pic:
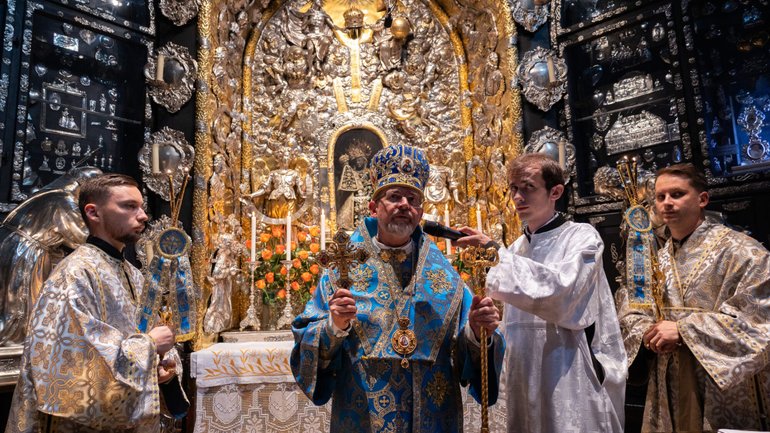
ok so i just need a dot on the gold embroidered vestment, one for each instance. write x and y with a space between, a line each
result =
85 368
717 290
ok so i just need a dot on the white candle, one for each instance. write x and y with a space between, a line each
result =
478 217
323 229
148 251
446 223
562 156
155 158
288 236
253 238
161 66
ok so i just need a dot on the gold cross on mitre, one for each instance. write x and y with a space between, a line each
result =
341 255
479 260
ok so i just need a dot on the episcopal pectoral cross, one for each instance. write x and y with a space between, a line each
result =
341 255
479 260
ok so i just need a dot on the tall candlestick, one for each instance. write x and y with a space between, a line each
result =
288 236
323 229
446 223
253 238
478 217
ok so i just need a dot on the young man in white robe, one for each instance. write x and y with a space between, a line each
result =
565 366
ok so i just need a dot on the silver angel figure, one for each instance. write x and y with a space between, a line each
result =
225 261
284 187
442 190
34 237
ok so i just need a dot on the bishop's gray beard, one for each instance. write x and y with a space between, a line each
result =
400 229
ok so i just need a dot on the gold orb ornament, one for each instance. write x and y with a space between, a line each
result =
400 27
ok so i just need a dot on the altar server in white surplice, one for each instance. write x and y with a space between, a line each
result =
565 367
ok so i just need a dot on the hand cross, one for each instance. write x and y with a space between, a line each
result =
341 255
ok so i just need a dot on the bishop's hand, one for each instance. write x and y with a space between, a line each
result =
483 314
342 307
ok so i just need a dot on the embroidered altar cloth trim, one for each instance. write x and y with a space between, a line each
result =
242 363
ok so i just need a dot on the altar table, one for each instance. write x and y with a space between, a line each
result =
249 388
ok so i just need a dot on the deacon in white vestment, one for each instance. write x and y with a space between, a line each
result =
85 367
707 347
565 366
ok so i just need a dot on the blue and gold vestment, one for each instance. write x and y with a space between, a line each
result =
371 391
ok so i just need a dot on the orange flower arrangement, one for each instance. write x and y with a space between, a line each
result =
277 232
270 274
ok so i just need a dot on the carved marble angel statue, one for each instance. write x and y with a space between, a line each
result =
225 261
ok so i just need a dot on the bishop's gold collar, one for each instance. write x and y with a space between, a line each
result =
393 254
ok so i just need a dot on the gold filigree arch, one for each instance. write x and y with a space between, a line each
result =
484 122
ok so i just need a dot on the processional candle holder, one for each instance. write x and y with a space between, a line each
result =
174 241
170 279
641 244
479 260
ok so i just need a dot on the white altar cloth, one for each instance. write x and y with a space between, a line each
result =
249 388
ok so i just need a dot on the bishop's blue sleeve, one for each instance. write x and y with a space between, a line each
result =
468 357
317 355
